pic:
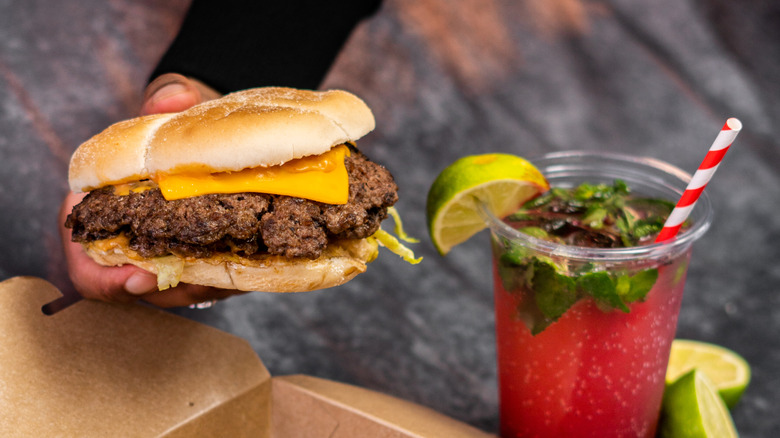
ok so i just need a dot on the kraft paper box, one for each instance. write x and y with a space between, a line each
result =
98 369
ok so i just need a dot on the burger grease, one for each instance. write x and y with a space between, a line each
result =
261 190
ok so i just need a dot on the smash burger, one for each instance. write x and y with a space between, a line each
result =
260 190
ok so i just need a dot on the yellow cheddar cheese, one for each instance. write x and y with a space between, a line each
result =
321 178
133 187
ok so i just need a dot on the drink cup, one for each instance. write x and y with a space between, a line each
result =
595 371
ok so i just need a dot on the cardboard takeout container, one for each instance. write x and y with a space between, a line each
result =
99 369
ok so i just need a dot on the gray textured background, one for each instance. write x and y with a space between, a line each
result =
445 79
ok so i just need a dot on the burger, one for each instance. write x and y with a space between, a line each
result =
260 190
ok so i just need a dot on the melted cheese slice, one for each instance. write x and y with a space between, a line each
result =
321 178
133 187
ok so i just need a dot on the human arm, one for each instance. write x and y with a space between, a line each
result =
232 44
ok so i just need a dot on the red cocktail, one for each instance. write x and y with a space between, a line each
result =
591 373
584 333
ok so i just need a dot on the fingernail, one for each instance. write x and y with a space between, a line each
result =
140 283
169 93
168 90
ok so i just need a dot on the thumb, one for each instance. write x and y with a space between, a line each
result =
117 283
172 92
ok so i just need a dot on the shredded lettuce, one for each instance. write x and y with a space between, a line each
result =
389 241
169 269
399 227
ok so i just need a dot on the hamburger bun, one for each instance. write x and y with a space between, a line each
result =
260 127
340 262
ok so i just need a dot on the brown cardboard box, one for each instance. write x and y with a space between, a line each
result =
308 407
98 369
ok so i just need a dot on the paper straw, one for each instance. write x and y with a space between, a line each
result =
700 179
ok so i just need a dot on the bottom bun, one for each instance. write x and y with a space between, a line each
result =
340 262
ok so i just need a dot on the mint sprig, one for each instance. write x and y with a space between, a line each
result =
598 209
546 293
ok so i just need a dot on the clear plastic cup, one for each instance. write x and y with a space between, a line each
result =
593 372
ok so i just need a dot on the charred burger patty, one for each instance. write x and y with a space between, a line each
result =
243 223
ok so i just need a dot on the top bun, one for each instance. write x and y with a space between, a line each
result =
250 128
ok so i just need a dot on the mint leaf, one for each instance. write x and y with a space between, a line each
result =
623 286
602 288
515 254
641 284
585 191
555 293
621 187
537 232
648 227
595 217
653 215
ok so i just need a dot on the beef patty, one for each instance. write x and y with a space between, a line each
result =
244 223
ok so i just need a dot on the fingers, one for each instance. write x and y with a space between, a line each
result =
173 92
91 280
187 294
126 283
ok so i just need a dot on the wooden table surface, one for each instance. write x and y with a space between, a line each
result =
445 79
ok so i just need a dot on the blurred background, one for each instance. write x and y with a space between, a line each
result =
444 79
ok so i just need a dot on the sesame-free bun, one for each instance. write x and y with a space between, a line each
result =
339 263
250 128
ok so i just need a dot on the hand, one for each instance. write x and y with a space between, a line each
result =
124 283
168 93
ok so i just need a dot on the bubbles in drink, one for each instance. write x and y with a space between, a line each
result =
589 355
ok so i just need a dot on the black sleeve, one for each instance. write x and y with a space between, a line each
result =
233 44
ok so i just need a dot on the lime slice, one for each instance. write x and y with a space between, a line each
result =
504 182
726 369
692 408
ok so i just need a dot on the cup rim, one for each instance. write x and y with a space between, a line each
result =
680 242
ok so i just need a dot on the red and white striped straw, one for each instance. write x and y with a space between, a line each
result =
700 179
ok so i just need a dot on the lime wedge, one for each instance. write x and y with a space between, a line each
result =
728 371
504 182
692 408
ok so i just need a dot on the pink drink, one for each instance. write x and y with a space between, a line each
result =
591 373
595 366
